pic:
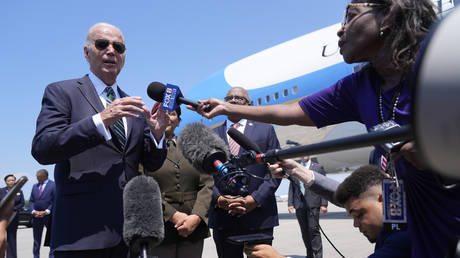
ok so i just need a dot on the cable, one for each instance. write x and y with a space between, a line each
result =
310 215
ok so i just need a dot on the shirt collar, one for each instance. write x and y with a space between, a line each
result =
100 85
242 123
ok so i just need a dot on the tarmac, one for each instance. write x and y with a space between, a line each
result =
287 238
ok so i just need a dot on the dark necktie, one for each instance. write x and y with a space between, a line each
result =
119 128
40 190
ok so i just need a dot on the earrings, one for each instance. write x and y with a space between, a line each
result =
381 32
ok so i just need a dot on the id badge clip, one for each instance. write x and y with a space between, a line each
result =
394 205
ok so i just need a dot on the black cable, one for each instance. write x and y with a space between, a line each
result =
310 214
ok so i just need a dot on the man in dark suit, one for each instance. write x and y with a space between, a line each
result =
97 136
41 204
257 212
307 205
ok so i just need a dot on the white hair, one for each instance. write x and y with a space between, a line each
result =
89 38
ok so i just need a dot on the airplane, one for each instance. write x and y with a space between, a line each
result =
286 73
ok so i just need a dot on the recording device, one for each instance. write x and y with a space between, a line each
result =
143 226
251 239
389 147
436 112
13 191
207 152
157 91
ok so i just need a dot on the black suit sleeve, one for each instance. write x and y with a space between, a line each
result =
56 138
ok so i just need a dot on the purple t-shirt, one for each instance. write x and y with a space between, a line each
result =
433 212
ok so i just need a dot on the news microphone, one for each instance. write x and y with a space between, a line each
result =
143 226
202 147
156 91
243 141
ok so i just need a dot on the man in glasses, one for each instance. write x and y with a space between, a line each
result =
257 211
96 135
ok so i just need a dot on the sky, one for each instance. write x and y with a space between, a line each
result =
178 42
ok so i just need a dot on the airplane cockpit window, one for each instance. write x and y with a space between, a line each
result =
276 96
267 98
295 89
285 92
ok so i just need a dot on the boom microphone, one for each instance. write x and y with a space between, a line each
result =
202 147
156 91
143 226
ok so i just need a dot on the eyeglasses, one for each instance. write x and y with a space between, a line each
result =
238 98
102 44
346 18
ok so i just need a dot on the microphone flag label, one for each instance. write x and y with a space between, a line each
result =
172 92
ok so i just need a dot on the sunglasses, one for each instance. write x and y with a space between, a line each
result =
348 18
102 44
238 98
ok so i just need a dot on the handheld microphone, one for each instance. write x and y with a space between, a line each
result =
156 91
143 226
203 148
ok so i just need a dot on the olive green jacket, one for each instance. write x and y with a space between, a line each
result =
183 189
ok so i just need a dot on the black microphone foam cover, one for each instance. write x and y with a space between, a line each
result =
143 213
201 146
156 91
243 141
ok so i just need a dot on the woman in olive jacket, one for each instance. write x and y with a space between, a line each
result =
186 196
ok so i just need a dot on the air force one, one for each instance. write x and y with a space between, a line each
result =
286 73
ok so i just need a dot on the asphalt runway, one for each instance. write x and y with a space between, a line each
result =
288 241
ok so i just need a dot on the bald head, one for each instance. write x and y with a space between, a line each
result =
238 95
101 26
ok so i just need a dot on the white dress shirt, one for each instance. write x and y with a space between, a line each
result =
100 89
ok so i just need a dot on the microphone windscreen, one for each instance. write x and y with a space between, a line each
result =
156 91
201 146
243 141
143 213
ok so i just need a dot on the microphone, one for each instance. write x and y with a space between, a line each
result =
143 226
203 148
243 141
156 91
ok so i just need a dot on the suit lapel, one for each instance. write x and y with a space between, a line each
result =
88 91
222 132
248 131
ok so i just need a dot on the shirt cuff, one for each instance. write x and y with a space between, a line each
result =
48 211
158 144
312 179
100 127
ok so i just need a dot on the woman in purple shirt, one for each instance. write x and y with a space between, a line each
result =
387 34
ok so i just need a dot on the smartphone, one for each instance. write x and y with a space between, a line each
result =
13 192
251 239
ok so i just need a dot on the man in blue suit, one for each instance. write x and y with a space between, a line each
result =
257 212
97 136
41 203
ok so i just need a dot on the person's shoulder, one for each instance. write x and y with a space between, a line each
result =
74 81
